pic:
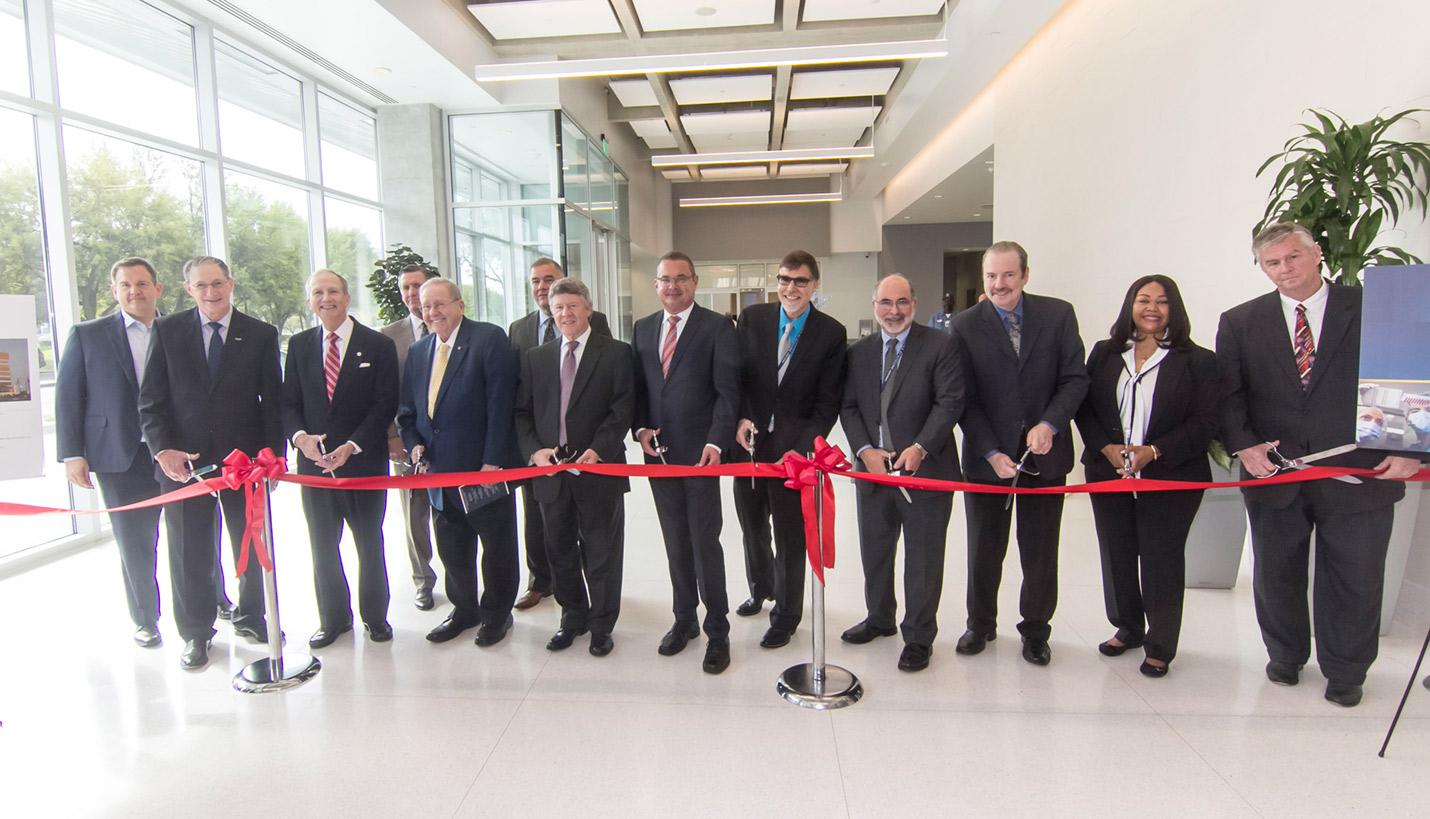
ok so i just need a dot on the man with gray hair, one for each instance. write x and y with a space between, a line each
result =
1289 364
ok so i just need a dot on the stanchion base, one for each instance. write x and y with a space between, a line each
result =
266 675
840 687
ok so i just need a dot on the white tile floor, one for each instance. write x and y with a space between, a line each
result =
94 726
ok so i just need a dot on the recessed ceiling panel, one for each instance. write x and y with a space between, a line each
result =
665 141
674 15
676 174
861 82
707 90
546 18
650 127
718 143
822 119
818 10
811 168
738 122
735 172
634 93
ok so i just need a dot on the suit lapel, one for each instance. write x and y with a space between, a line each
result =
590 359
1033 326
1169 375
682 343
1274 336
1334 327
352 359
233 344
998 332
119 337
454 360
896 379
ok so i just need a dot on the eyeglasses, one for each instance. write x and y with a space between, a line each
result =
435 306
666 281
801 282
885 304
217 286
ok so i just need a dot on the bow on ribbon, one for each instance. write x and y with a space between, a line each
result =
803 474
240 470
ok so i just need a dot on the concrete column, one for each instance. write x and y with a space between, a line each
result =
414 182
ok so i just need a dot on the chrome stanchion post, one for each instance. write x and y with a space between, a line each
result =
818 685
275 673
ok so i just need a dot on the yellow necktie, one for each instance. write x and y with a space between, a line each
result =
434 385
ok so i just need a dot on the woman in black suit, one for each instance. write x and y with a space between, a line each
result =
1150 412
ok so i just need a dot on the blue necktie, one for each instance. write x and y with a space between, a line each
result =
215 348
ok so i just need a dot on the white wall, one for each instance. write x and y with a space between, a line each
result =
847 280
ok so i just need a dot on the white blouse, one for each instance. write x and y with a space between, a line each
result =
1134 395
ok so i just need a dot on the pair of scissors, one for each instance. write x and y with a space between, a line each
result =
1021 468
1284 464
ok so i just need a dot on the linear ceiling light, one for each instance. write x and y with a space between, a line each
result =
779 199
744 157
713 60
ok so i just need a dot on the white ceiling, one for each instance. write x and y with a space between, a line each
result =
673 15
546 18
962 197
737 122
822 10
722 88
863 82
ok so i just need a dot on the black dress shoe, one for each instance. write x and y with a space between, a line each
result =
1109 650
973 642
380 633
866 632
324 637
1343 694
423 600
1037 652
717 656
775 638
448 629
256 632
915 657
225 610
601 645
1283 673
1153 671
148 637
562 640
195 656
489 635
675 640
751 607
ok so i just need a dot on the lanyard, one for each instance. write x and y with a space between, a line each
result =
898 357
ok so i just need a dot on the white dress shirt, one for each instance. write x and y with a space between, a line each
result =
1315 314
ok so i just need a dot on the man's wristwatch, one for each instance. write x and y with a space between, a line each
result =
920 447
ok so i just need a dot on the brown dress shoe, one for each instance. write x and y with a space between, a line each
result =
530 599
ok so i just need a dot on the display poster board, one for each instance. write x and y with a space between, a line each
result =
21 422
1394 407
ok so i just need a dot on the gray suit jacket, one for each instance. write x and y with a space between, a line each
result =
400 332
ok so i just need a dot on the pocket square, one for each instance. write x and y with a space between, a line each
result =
364 364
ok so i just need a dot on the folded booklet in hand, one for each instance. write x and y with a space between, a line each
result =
477 495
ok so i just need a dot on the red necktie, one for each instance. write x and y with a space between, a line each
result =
331 364
1305 347
667 350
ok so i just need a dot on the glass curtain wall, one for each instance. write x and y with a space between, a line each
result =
291 165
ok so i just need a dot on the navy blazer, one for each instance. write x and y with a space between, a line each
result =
473 421
1010 393
97 396
696 405
806 403
1262 399
364 399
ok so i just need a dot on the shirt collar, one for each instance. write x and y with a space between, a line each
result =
901 337
130 321
223 322
1317 299
452 339
798 322
344 331
580 340
417 324
684 314
1017 308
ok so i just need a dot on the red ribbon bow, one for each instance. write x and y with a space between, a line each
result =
803 474
240 470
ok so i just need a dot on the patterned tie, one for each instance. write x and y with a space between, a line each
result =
784 351
891 356
424 332
549 334
568 379
434 385
1305 347
331 364
1015 332
215 348
668 349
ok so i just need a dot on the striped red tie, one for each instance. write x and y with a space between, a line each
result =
1305 347
668 349
331 364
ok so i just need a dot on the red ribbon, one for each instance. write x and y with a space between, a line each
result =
803 474
240 470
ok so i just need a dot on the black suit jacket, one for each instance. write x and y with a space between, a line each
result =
97 396
1011 393
1183 420
182 408
697 404
523 331
364 400
927 400
598 413
806 403
1262 399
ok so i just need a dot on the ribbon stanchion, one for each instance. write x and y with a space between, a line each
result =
816 684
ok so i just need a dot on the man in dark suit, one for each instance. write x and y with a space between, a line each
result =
339 395
455 414
902 396
576 403
97 428
211 385
791 385
687 397
416 511
1026 377
1289 364
533 329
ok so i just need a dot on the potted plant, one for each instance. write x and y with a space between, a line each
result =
1218 534
383 281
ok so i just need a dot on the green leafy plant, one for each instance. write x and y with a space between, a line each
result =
1344 183
1217 450
383 281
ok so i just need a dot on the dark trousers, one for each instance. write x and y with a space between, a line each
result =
585 534
538 559
883 512
327 510
136 533
1143 541
457 534
786 566
417 518
1350 580
690 521
752 508
190 526
1040 519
